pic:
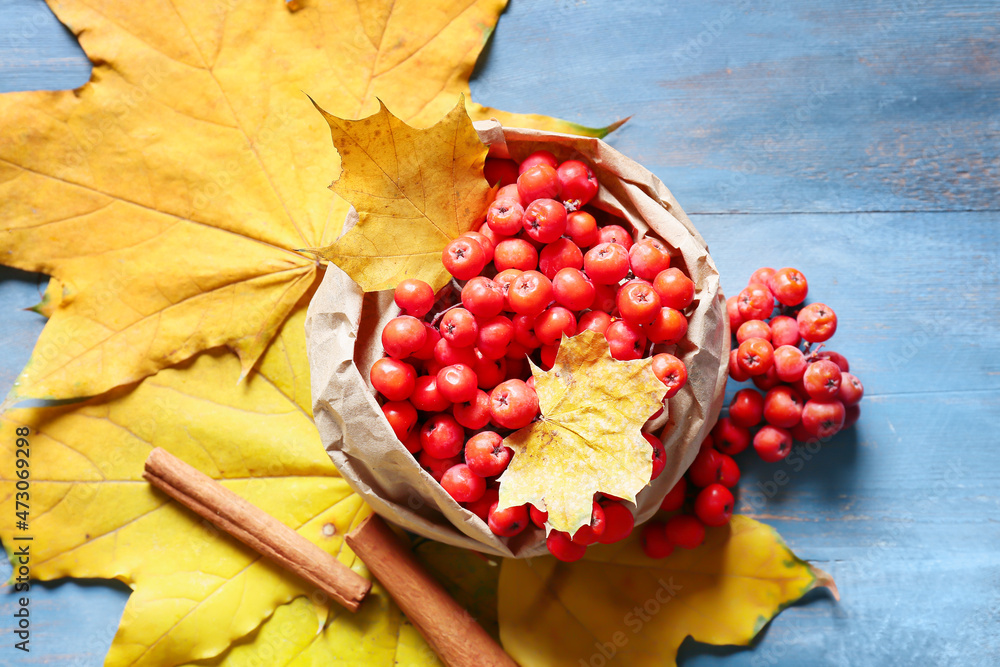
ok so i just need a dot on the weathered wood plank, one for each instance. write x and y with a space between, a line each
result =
917 295
19 328
72 622
794 106
36 51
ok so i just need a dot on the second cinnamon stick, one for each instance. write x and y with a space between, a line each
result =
450 630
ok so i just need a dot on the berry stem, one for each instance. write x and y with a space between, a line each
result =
436 321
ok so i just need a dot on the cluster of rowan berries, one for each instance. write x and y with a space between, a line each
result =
456 377
802 393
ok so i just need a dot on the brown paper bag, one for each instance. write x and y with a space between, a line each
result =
343 328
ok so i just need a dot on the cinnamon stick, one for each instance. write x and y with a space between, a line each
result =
255 528
453 634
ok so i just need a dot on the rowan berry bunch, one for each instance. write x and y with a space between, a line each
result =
809 392
802 393
456 378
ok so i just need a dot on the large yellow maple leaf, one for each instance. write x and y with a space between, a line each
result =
618 604
92 515
168 194
588 438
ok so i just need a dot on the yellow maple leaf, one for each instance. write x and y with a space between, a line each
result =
589 437
168 194
378 634
414 191
617 603
92 514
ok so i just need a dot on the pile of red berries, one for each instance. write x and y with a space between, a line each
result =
808 394
456 381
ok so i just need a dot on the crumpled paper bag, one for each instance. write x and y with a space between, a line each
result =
343 328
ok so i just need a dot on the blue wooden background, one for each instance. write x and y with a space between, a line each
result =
856 140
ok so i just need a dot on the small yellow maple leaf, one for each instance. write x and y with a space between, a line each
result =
555 614
589 436
414 191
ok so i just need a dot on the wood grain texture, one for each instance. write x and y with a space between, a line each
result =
764 106
36 51
784 129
